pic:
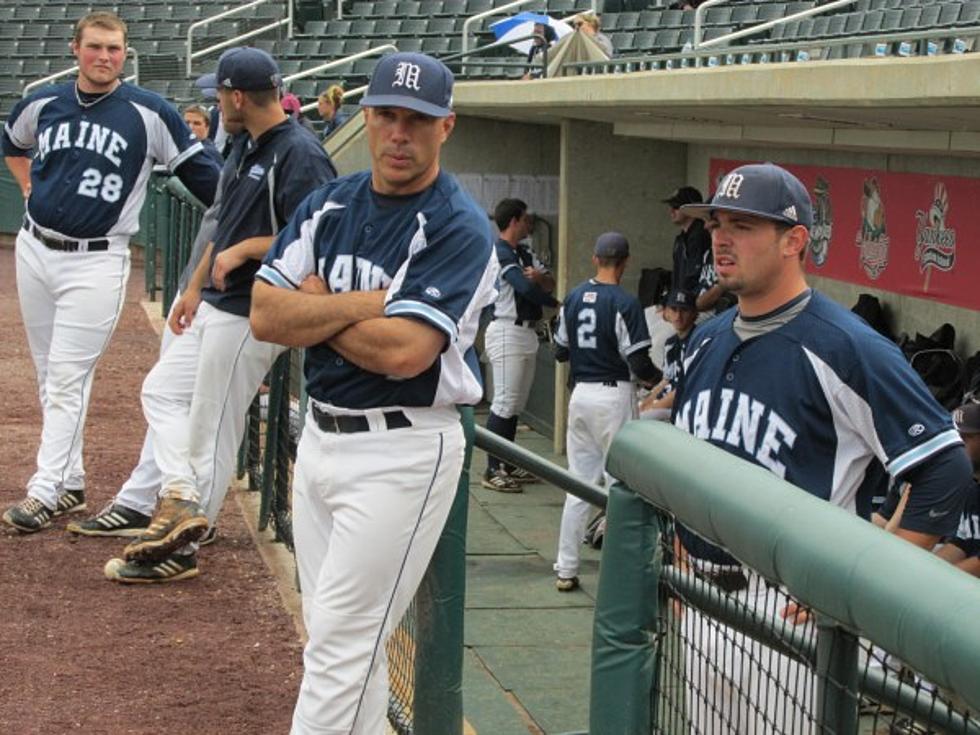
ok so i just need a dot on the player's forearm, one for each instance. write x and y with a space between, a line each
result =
200 274
709 298
298 319
970 566
395 346
253 248
20 167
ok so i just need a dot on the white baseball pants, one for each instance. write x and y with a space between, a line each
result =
220 365
595 413
142 487
737 686
513 352
70 304
368 509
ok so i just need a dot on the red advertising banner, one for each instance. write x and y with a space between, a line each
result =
914 234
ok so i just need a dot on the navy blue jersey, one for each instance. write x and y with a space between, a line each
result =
814 400
91 163
519 299
968 534
601 325
268 179
688 256
673 366
432 251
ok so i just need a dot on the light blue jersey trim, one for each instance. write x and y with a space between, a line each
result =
271 275
184 155
426 312
922 452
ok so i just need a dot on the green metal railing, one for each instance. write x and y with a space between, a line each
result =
868 590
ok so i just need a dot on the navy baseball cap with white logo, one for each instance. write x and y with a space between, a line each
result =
762 190
967 418
248 69
681 299
612 245
413 81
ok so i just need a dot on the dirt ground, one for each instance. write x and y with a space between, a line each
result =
215 654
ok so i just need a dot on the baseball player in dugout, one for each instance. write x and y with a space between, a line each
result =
82 152
793 382
382 276
511 339
603 334
690 244
195 398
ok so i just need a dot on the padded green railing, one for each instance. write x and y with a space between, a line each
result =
863 581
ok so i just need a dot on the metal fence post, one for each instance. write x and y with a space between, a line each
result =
837 678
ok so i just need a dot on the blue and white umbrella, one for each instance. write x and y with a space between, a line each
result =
522 24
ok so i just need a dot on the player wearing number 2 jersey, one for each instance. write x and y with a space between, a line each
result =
94 142
602 332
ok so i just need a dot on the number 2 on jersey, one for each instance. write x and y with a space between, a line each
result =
95 186
586 329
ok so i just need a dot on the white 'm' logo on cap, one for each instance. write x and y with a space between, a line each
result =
730 185
407 75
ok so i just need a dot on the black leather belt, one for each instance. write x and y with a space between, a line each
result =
604 383
526 322
354 424
66 246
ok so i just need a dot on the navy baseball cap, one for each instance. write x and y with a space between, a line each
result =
248 69
762 190
967 418
413 81
681 299
684 195
611 245
208 84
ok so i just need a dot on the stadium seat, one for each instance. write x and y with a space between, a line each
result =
408 8
441 26
430 8
624 42
671 18
356 45
362 27
332 48
718 16
317 27
910 18
668 40
891 20
413 45
413 28
835 25
384 8
819 27
644 41
649 19
771 11
435 45
745 14
970 14
929 17
453 8
339 28
303 88
628 21
872 21
949 14
362 9
478 6
387 27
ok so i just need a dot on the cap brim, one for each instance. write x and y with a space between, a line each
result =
206 81
409 103
703 211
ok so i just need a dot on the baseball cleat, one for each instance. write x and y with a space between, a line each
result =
172 568
501 483
113 520
176 523
519 474
566 584
73 501
29 515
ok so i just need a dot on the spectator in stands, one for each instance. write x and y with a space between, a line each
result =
328 105
588 23
198 119
691 243
292 106
544 37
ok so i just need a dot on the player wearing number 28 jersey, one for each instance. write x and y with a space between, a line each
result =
82 153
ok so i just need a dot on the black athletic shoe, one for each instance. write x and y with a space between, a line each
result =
113 520
172 568
73 501
566 584
176 523
519 474
29 515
